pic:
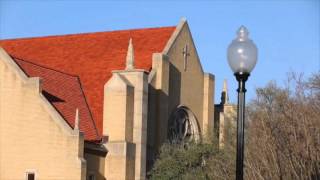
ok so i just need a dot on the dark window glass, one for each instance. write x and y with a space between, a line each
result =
30 176
92 177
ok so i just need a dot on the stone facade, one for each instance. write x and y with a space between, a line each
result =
170 85
33 136
225 118
137 109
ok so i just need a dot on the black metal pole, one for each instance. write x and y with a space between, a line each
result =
241 78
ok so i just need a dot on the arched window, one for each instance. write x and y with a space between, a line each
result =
183 126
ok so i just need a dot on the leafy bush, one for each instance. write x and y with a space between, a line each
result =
192 161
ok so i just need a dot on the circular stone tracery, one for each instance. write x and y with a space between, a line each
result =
183 126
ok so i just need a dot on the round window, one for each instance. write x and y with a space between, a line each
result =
183 126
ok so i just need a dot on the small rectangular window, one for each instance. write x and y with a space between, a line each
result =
31 176
92 177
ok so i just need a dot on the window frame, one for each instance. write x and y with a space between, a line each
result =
92 174
30 171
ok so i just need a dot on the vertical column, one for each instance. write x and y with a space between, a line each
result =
221 128
118 126
160 63
240 125
139 79
208 105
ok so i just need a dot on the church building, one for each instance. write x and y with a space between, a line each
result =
98 106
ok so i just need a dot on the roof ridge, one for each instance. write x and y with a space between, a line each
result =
27 61
87 33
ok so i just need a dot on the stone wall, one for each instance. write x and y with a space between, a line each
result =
33 136
175 82
125 124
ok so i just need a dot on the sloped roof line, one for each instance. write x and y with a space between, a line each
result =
98 54
42 66
91 119
90 112
86 33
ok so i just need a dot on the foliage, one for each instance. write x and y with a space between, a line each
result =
282 139
192 161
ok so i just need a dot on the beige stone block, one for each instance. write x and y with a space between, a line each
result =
118 109
33 136
126 94
139 80
120 161
208 105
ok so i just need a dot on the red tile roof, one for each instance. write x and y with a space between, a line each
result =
90 56
64 92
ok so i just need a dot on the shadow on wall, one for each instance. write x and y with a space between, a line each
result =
174 88
95 162
158 100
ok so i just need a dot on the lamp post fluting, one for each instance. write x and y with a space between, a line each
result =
242 57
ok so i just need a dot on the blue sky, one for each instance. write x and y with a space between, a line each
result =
285 31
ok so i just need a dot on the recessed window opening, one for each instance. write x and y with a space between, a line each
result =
92 177
30 176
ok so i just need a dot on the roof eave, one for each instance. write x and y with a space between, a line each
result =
175 34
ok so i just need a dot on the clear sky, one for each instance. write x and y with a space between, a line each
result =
285 31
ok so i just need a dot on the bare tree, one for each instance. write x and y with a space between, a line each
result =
282 139
283 133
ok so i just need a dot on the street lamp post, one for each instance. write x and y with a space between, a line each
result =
242 57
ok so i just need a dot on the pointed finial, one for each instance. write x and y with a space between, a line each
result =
225 85
243 33
77 120
224 94
130 56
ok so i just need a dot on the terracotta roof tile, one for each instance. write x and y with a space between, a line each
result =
91 56
64 92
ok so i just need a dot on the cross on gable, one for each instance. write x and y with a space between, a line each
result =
185 53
